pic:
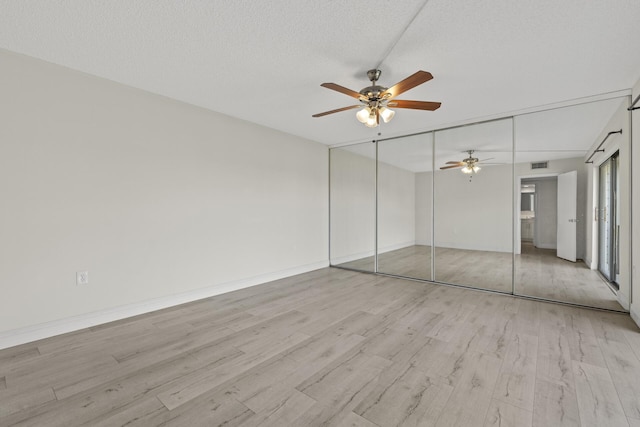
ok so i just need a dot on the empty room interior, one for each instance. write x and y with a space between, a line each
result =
296 213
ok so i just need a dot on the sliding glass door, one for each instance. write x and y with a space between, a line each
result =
608 219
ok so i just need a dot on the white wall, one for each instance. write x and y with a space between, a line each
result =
353 204
635 209
157 199
474 215
396 208
424 206
620 120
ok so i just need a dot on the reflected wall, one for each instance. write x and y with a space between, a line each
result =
352 206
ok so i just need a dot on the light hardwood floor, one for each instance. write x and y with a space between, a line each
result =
335 348
538 273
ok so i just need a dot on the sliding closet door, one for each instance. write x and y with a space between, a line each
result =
473 205
353 206
404 206
553 143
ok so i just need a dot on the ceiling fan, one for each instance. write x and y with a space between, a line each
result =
376 99
468 165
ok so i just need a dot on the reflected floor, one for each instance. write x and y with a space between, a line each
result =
539 273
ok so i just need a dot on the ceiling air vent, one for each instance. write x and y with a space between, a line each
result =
540 165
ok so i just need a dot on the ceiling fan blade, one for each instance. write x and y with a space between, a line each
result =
415 105
484 160
410 82
455 163
342 89
450 167
351 107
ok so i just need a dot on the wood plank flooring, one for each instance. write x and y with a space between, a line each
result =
538 273
334 348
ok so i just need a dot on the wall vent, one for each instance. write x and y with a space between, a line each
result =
540 165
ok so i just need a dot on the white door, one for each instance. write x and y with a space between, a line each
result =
567 208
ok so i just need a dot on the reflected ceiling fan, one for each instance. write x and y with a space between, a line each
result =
375 100
468 165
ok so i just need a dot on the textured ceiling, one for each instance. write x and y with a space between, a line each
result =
264 61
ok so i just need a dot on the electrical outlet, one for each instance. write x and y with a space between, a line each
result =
82 278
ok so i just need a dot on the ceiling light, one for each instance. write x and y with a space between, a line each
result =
470 168
363 114
372 120
386 114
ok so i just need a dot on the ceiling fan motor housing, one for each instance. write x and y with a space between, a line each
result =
374 75
372 93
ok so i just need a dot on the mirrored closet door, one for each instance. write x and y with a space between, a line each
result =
405 170
536 205
564 185
352 206
473 205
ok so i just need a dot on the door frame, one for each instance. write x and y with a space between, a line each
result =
517 241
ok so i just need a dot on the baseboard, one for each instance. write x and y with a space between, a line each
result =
49 329
546 246
365 254
352 257
590 265
635 313
623 299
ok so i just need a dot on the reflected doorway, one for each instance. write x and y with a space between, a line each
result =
539 213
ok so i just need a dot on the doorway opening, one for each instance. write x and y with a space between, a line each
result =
538 214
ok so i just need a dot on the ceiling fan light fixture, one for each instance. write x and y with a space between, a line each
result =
372 120
470 169
363 115
386 114
376 97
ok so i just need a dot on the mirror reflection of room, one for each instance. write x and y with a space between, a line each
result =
473 202
404 206
535 205
566 247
